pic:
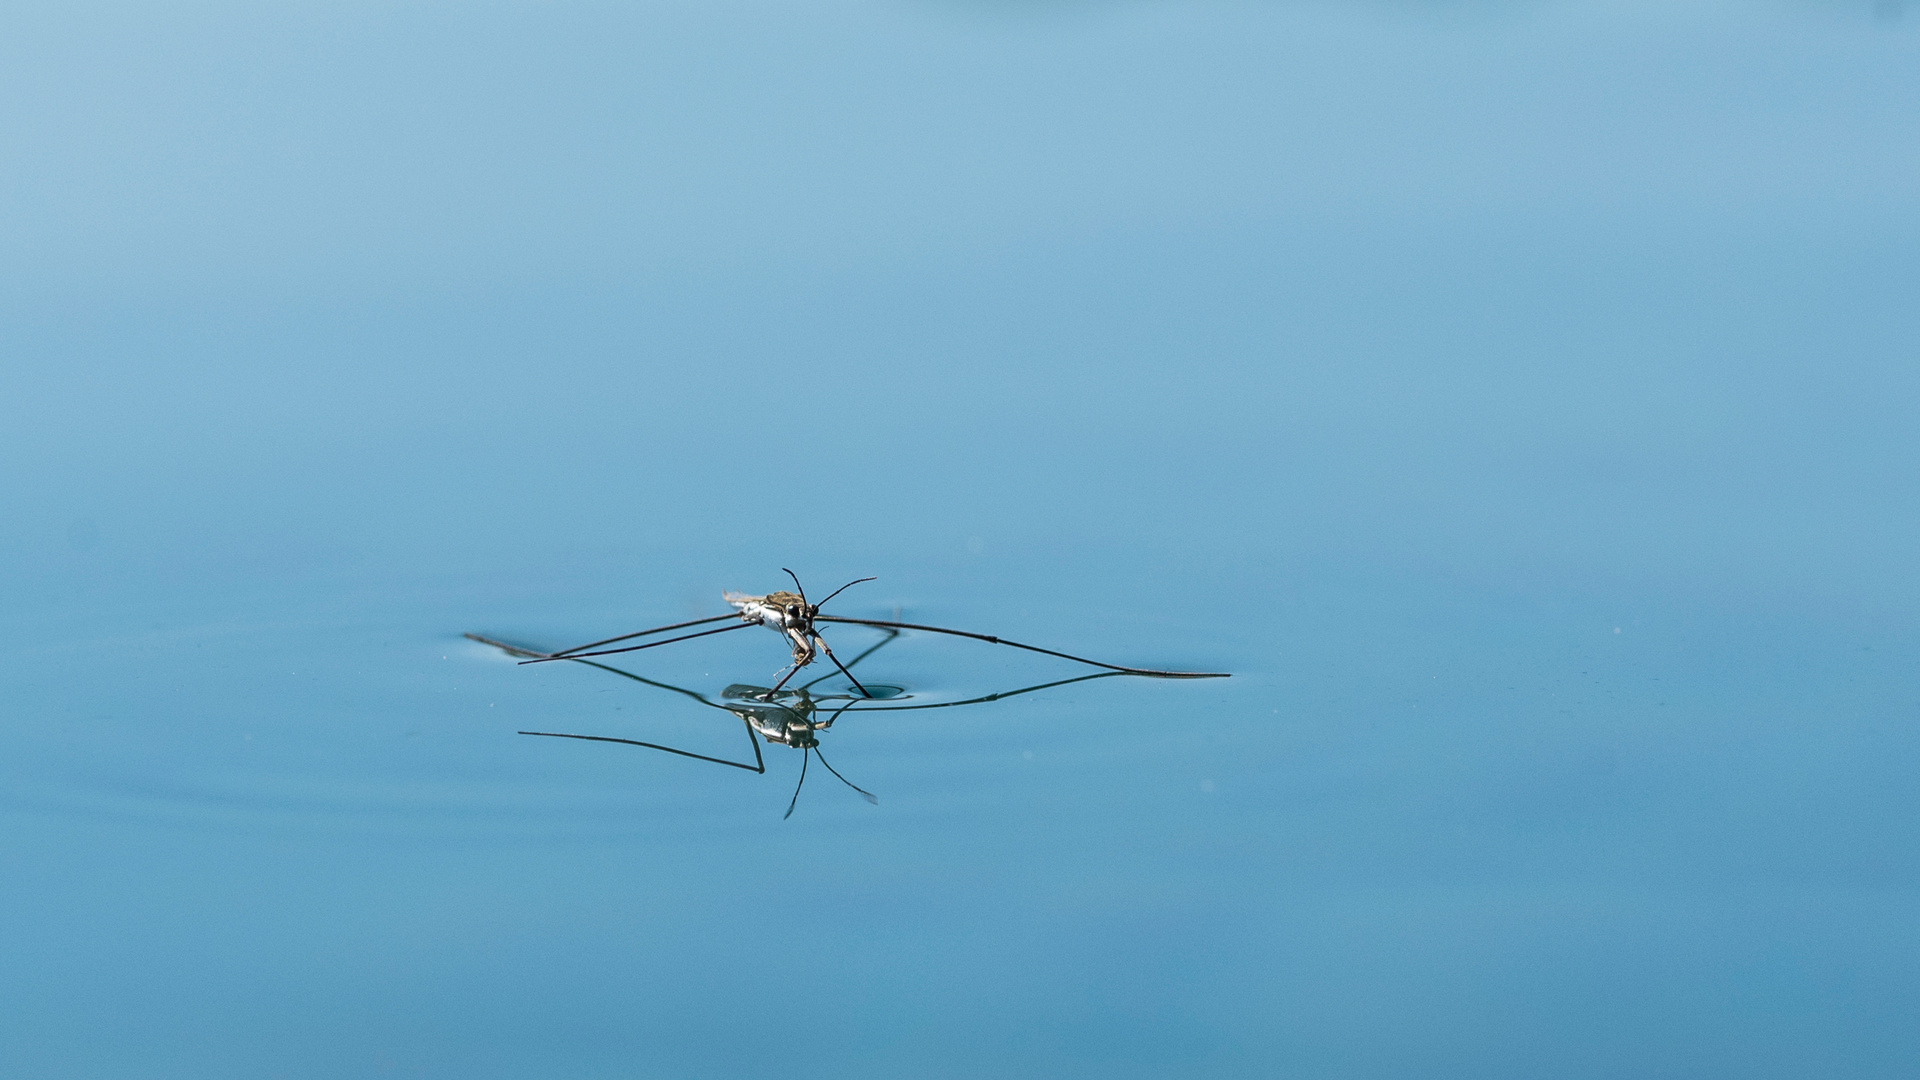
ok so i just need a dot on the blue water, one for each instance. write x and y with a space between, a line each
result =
1518 399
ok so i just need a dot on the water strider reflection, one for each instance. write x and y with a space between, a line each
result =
792 717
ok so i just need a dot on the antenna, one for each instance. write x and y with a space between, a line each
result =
844 588
797 585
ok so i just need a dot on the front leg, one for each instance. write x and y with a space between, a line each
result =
822 642
791 672
802 648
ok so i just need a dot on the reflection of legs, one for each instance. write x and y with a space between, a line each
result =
822 725
828 649
870 796
791 803
759 764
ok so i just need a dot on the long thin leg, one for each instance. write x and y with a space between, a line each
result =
759 764
855 662
681 690
802 647
791 672
979 700
990 639
510 650
871 797
521 651
637 648
836 663
828 722
795 801
644 633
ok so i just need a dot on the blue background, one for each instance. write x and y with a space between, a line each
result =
1519 398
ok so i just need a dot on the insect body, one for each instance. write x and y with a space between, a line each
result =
783 611
791 615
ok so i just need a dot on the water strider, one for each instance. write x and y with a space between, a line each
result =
794 618
791 717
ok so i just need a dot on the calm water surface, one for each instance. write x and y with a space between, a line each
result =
1517 399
